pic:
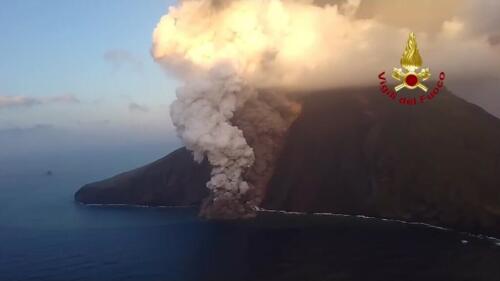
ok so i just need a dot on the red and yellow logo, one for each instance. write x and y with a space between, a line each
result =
411 75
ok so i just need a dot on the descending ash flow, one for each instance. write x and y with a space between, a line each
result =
265 120
241 132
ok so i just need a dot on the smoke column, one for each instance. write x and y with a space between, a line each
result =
231 54
227 52
202 114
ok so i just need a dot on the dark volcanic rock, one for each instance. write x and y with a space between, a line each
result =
174 180
357 152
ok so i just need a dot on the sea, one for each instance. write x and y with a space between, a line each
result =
45 235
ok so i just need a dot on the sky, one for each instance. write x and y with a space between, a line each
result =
83 67
81 72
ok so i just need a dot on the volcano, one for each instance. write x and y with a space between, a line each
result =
354 151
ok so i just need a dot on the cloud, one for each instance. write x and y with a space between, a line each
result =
17 101
63 99
22 131
295 44
135 107
119 59
24 101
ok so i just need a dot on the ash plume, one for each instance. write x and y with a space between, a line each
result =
230 53
202 114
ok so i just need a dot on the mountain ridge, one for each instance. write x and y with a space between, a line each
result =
354 151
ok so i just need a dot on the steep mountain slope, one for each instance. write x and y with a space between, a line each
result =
355 151
359 153
174 180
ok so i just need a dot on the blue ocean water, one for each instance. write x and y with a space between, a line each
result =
45 235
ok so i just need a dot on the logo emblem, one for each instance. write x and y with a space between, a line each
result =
410 62
410 75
